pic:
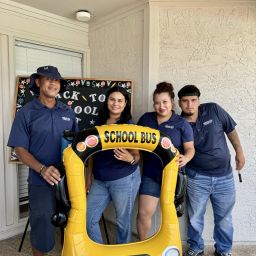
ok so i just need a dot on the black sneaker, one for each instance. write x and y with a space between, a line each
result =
191 252
222 253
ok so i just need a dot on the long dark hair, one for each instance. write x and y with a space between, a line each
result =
125 115
164 87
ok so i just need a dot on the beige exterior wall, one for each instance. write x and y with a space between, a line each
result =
116 45
214 47
29 25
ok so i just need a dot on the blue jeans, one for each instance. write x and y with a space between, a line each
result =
122 192
221 192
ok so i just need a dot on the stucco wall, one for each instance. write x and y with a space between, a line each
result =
215 49
116 52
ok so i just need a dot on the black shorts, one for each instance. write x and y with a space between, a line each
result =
42 205
149 187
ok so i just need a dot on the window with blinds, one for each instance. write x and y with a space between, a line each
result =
28 58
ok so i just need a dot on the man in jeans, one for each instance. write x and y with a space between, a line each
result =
209 172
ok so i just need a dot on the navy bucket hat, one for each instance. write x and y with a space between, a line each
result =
47 71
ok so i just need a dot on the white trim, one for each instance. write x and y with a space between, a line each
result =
86 71
36 26
10 179
2 166
42 39
14 230
24 44
18 9
52 44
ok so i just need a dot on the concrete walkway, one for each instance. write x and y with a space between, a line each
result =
10 247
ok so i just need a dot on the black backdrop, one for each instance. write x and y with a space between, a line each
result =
84 95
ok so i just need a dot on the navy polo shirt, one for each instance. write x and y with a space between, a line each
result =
177 128
39 130
106 167
212 156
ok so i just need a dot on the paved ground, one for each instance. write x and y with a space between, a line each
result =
11 245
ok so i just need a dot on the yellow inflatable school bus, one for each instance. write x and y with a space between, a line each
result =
166 242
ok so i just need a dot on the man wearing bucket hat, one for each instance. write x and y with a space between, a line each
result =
36 136
51 73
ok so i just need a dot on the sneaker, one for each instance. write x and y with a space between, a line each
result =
222 253
191 252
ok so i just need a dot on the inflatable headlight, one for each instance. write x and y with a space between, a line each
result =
171 251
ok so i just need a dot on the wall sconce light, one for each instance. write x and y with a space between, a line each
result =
83 15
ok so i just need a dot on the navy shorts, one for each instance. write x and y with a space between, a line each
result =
42 204
149 187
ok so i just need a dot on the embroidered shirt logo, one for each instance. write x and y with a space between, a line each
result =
169 126
207 122
65 118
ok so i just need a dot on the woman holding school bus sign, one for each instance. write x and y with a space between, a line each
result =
116 173
181 134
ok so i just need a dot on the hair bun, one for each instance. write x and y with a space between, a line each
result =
164 86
